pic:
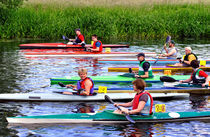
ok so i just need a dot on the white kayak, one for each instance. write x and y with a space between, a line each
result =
55 96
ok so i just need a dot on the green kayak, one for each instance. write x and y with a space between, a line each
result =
109 117
114 79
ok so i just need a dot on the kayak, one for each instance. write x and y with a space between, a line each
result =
85 54
115 93
108 116
59 97
158 68
114 79
65 46
135 61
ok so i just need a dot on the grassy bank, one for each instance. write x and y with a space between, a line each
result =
145 21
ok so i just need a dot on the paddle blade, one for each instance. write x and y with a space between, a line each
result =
130 119
61 84
168 38
108 99
167 79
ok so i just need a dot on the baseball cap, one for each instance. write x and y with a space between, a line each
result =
172 42
140 54
78 29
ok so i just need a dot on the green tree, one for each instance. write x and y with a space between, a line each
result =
7 7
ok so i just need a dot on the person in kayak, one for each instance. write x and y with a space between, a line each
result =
171 52
97 45
84 83
187 58
145 70
78 40
198 76
142 102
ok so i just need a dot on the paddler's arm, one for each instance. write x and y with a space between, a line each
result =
146 75
129 104
88 85
73 86
207 81
97 49
165 48
186 81
139 109
169 54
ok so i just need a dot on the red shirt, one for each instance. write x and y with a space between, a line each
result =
81 37
201 74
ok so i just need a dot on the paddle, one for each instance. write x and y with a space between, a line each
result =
82 44
108 99
168 38
78 91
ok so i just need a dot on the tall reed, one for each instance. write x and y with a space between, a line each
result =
41 21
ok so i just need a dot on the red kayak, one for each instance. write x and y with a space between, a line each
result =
64 46
84 54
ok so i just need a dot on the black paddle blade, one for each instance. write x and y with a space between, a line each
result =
167 79
130 70
108 99
61 84
168 39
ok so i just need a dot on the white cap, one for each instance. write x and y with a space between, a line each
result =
188 48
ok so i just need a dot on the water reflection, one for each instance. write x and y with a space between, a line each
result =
198 101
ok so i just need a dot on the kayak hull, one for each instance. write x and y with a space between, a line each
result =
109 117
58 97
114 79
152 61
157 69
84 54
65 46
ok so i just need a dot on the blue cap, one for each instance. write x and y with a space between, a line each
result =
140 54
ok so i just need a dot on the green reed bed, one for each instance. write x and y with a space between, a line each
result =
41 21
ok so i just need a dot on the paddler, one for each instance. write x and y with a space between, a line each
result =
78 40
85 83
142 102
97 44
171 52
198 76
187 58
145 70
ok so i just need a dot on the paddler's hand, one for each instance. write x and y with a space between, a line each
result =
181 81
204 85
136 76
116 104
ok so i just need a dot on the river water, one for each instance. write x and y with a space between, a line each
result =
21 74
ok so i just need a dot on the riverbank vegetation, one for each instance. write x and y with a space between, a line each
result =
52 19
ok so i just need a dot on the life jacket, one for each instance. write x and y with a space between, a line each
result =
141 70
196 78
81 84
100 48
149 103
78 40
186 57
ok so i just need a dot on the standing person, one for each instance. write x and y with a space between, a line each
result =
171 52
79 38
145 70
187 58
142 102
97 44
85 83
198 76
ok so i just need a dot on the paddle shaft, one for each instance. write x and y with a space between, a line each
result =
167 40
107 98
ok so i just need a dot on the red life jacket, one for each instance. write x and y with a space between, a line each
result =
136 100
100 48
81 84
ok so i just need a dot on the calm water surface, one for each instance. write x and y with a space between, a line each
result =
20 74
